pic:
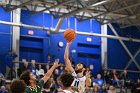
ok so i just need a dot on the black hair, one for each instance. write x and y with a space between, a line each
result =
18 86
84 66
26 77
66 79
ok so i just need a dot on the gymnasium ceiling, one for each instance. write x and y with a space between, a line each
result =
124 12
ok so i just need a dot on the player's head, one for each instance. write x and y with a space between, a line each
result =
80 67
65 80
28 77
18 86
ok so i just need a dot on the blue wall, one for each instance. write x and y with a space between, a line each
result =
47 20
37 46
80 39
117 56
5 38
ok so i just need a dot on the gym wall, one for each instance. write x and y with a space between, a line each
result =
117 56
5 38
40 44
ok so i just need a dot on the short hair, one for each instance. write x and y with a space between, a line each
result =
25 76
18 86
84 66
66 79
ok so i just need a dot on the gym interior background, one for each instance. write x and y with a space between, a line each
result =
108 32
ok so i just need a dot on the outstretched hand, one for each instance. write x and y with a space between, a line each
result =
56 63
88 74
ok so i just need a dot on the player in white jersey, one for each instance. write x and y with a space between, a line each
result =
65 81
80 81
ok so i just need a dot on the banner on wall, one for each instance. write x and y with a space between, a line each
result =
89 39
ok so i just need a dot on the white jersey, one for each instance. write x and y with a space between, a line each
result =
79 82
66 91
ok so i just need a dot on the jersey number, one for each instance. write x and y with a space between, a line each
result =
76 83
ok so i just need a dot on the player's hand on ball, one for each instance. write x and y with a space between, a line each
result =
69 43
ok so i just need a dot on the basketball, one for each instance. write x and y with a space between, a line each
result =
69 35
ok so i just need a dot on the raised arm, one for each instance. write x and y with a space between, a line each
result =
49 73
88 80
66 58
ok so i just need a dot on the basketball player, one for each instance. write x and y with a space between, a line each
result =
17 86
30 79
65 81
80 81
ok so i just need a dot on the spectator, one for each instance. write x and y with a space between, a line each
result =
40 71
49 59
115 78
111 89
108 77
47 68
125 80
3 90
9 65
99 82
96 89
61 69
25 67
2 79
137 86
124 75
104 90
33 68
55 76
8 88
92 81
18 86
